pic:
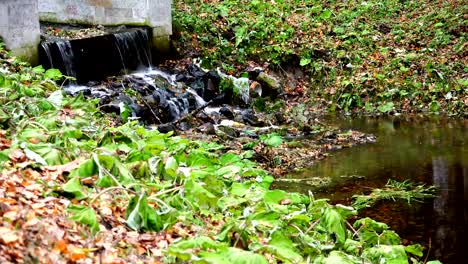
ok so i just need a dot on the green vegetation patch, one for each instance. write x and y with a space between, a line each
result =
157 196
367 56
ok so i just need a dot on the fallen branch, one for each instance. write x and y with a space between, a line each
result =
196 111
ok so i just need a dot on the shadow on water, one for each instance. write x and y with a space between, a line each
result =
423 150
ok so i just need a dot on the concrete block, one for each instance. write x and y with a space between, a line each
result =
19 27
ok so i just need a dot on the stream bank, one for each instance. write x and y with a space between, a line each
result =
427 150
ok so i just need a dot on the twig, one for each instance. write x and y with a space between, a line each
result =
312 226
196 111
109 190
96 159
169 190
352 228
298 229
151 109
428 251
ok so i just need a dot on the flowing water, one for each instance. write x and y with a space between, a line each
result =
98 57
422 150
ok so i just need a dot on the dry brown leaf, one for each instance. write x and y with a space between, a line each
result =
8 236
61 246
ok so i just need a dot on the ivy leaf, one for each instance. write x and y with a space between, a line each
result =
84 215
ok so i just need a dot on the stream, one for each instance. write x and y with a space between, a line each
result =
425 150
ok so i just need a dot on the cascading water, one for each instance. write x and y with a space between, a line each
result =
153 95
98 57
63 58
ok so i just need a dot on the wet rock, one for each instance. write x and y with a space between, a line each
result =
166 128
76 90
138 110
195 71
226 132
270 84
212 81
254 72
198 85
184 126
225 111
249 117
255 89
161 82
182 78
280 119
207 128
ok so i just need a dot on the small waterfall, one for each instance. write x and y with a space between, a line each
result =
66 53
133 48
93 59
46 48
198 99
59 54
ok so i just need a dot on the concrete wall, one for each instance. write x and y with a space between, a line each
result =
19 19
19 27
153 13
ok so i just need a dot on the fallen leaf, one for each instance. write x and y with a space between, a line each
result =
8 236
61 246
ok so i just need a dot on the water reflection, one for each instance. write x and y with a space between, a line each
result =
428 150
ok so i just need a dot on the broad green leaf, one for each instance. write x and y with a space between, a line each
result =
284 249
274 197
334 223
239 189
272 140
53 74
326 14
385 108
74 187
352 247
339 257
84 215
185 248
86 169
141 216
370 224
35 157
233 256
386 254
199 195
305 61
415 249
56 98
229 158
171 167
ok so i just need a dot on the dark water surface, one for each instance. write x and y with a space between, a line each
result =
420 149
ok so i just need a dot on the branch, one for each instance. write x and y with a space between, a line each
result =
109 190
